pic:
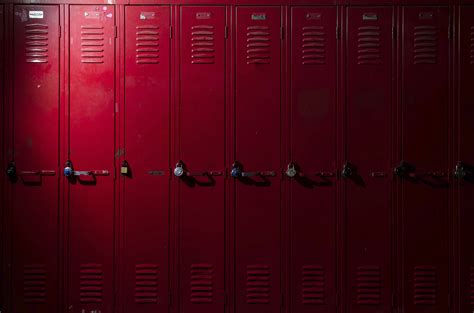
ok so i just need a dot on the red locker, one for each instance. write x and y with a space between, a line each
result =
34 201
2 149
424 151
257 151
145 165
368 151
464 170
313 167
200 159
90 170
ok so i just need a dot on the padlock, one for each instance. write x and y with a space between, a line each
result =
68 169
125 168
291 171
179 171
236 171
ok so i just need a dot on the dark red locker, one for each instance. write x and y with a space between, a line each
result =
145 166
464 170
200 157
34 204
258 160
91 152
2 152
368 151
313 166
424 151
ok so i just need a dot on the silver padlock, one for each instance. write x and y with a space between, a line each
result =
178 170
291 171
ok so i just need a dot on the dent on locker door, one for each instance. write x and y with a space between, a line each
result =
257 166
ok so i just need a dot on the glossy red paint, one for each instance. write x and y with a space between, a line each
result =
425 143
313 207
258 222
368 149
145 160
35 201
200 207
465 155
91 148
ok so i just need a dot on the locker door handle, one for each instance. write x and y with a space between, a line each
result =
205 173
180 170
380 174
325 174
261 173
91 173
37 173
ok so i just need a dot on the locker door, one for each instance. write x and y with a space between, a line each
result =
424 181
201 198
257 145
465 155
33 169
368 142
147 150
2 153
313 189
91 154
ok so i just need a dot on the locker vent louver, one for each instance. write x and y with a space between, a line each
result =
425 45
425 285
471 51
369 45
314 45
147 45
91 276
471 293
146 283
202 283
369 285
34 284
36 44
92 44
314 283
258 45
258 284
202 44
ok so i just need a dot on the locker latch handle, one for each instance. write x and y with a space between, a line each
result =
237 172
37 173
180 170
69 171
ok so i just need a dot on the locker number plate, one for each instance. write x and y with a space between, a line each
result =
35 14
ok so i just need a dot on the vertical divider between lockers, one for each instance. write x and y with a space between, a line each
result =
341 137
283 149
227 154
451 145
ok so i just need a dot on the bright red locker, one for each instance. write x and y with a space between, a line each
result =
145 162
91 153
257 153
424 151
34 202
368 151
200 157
465 156
313 167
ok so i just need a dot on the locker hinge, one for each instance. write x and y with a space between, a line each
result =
282 33
115 32
394 32
338 32
450 32
171 31
226 32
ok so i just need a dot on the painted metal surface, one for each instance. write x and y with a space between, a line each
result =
424 178
145 159
368 147
464 171
91 151
35 146
257 145
200 147
313 188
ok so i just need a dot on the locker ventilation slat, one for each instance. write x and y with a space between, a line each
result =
34 283
313 284
471 46
369 285
36 44
369 45
313 45
425 285
471 290
202 44
91 276
258 45
92 44
425 45
146 283
258 284
202 283
147 45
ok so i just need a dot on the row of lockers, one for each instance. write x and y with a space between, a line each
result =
248 159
